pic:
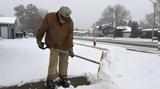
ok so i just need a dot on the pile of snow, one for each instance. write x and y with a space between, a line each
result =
105 77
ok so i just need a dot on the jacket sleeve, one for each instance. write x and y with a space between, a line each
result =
70 37
42 29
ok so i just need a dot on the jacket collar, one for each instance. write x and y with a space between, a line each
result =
58 19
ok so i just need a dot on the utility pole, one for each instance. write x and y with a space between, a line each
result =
154 17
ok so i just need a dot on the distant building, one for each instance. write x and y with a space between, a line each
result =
104 30
80 33
147 33
123 31
107 30
7 27
127 32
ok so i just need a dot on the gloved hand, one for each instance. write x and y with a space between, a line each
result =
40 44
71 53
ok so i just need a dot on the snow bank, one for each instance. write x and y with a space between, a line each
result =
105 76
108 65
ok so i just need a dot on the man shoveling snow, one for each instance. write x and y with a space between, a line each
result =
58 27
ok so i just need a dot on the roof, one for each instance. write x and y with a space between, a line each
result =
7 20
80 31
120 27
146 30
105 25
126 28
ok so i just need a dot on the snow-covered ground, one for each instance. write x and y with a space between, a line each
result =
21 60
132 70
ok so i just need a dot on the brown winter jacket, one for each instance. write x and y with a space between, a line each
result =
57 35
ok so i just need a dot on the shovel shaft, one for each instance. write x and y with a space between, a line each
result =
78 56
87 59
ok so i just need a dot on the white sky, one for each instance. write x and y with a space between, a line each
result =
85 12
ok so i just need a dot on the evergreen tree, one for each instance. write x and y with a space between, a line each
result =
135 31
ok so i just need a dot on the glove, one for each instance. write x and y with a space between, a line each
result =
71 53
40 45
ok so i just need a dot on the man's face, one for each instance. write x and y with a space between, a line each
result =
64 18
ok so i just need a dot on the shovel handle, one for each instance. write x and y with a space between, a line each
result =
87 59
78 56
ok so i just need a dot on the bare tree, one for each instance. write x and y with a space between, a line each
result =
149 18
29 17
143 24
42 12
149 21
108 15
19 13
115 15
158 13
19 10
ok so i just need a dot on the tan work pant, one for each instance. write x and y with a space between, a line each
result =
63 65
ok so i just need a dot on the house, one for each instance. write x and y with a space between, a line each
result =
80 32
97 31
108 30
7 27
123 31
127 32
104 30
147 33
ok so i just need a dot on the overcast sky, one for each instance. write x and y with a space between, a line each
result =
84 12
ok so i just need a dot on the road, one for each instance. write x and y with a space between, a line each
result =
147 47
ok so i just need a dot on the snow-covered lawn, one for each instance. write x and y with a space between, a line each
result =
21 60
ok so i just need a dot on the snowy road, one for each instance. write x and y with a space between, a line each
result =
129 47
22 60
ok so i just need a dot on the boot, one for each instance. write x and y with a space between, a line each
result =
51 84
65 83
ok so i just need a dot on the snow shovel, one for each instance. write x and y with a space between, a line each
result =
96 62
87 59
